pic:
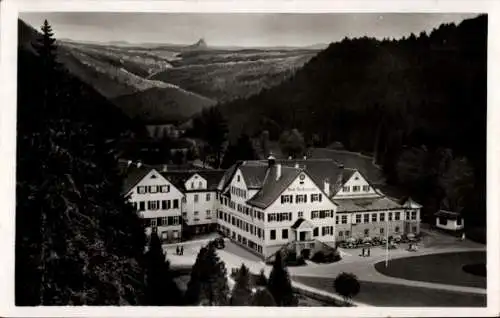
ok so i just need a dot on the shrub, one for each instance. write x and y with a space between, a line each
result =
321 257
346 285
305 253
318 257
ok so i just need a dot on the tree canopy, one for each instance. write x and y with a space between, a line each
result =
279 284
78 241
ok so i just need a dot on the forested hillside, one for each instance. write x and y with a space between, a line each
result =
418 102
77 241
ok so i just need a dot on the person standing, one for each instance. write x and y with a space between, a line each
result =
182 250
177 251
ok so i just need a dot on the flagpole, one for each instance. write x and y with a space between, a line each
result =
386 242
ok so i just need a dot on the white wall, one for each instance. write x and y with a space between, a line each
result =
190 207
356 180
196 182
173 194
298 186
450 225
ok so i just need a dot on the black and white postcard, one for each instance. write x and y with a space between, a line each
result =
178 158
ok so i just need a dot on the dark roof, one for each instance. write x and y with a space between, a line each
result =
321 169
366 204
272 188
227 176
362 163
132 176
448 214
179 178
297 223
253 173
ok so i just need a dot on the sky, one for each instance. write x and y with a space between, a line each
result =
236 29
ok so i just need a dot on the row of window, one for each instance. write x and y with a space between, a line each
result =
208 215
301 198
163 221
241 239
253 213
366 188
378 217
238 192
197 197
322 214
242 225
325 230
279 217
200 185
153 189
156 205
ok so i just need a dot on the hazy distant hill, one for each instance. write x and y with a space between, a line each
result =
192 76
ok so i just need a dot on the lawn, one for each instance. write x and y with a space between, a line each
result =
437 268
392 295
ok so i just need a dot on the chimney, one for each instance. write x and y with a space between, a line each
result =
164 168
305 157
326 187
138 164
278 171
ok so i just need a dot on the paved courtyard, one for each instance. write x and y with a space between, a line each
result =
314 276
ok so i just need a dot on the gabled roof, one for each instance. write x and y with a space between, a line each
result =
272 188
366 204
410 203
253 173
132 177
301 222
321 169
179 178
448 214
364 164
227 176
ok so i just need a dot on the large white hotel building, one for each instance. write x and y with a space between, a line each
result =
264 205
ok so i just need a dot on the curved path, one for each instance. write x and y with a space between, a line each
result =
365 270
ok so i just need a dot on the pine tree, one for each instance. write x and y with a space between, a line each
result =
242 291
261 279
78 242
279 284
161 289
208 284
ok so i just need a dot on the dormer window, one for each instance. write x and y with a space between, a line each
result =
366 188
192 185
238 178
200 184
346 189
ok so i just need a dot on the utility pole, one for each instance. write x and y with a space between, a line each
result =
386 242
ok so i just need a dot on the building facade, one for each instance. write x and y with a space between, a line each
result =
158 201
264 205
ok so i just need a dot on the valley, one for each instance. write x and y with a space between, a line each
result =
170 83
